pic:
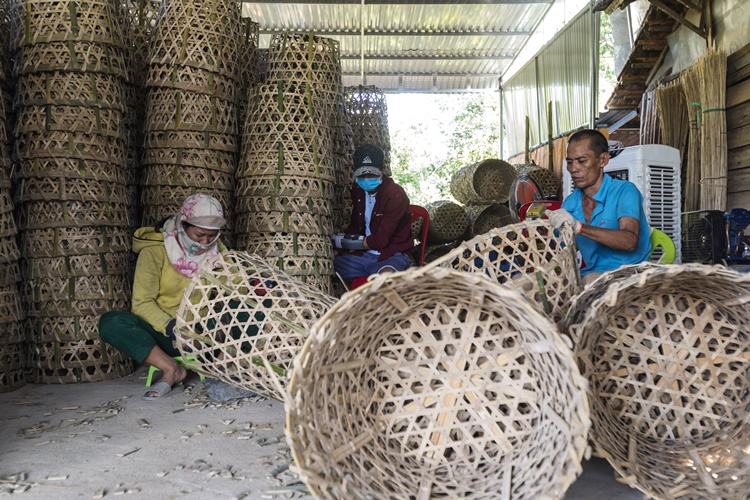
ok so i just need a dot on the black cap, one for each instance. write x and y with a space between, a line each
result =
368 159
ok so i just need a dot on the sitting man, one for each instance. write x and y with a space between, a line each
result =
380 229
607 214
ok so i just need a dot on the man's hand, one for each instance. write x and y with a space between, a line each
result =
348 241
561 216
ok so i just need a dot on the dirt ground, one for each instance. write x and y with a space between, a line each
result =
101 440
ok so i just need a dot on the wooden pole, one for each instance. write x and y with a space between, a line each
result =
526 154
550 162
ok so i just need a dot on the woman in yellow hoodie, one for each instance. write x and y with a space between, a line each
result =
168 258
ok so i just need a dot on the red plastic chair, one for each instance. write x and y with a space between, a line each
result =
416 213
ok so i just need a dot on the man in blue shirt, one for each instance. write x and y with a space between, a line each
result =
607 214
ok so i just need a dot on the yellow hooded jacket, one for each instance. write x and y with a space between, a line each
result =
157 286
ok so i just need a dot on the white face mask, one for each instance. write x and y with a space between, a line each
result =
193 247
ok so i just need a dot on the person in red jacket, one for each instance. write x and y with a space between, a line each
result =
380 229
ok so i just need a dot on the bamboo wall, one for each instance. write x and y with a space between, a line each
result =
738 128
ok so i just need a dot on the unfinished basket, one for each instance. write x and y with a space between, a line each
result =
543 176
433 383
448 221
77 361
483 218
44 21
245 321
204 34
484 182
666 353
530 257
64 241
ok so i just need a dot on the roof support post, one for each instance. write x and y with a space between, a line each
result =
362 43
502 119
594 107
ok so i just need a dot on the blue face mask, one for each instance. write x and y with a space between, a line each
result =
369 184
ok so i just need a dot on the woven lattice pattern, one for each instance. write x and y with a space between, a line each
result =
83 57
174 109
530 257
69 189
368 115
193 80
204 34
484 182
665 351
245 321
420 378
543 176
78 361
64 88
448 221
483 218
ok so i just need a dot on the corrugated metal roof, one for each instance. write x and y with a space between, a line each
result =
414 46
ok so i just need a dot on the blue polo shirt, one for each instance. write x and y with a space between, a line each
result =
614 199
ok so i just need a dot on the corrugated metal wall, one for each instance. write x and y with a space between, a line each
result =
560 73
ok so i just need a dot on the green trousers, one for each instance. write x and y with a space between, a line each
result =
133 336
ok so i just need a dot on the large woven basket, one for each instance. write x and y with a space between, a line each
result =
530 257
483 218
666 354
305 57
245 321
483 182
433 383
448 221
368 115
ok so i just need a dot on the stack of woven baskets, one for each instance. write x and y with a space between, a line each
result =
12 359
368 113
70 150
286 174
248 62
191 130
484 187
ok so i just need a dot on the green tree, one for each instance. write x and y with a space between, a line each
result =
426 154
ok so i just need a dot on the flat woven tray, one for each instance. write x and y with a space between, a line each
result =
666 352
419 378
77 361
484 182
530 257
245 321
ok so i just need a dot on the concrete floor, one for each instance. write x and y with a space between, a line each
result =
101 440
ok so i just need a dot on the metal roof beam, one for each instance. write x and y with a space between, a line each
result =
369 32
422 57
430 74
408 2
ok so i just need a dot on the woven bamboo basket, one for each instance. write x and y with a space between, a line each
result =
69 189
173 196
483 218
248 61
67 308
543 176
303 266
434 252
88 287
156 213
88 120
64 241
188 177
204 34
305 57
245 321
312 205
98 264
71 168
274 245
71 146
11 357
368 115
82 57
285 185
62 329
321 283
64 88
191 157
13 331
183 139
193 80
45 214
666 353
10 304
448 221
286 133
77 361
9 252
483 182
143 16
450 387
10 274
174 109
529 257
7 225
12 380
284 222
43 21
